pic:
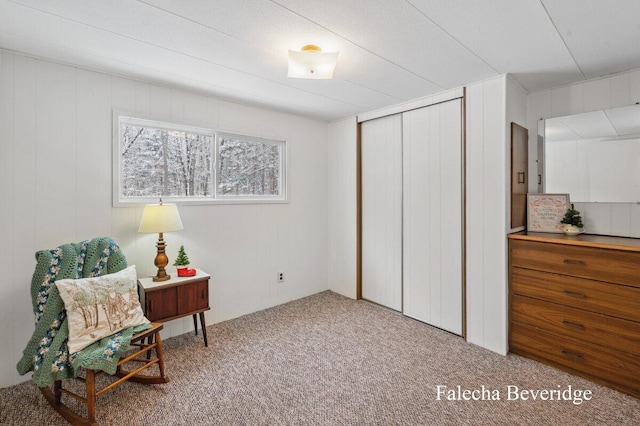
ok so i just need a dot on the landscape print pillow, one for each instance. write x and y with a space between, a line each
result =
100 306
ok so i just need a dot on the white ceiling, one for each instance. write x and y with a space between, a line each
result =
391 51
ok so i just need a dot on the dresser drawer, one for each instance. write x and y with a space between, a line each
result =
575 323
596 296
616 266
614 366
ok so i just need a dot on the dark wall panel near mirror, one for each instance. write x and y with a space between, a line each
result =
519 148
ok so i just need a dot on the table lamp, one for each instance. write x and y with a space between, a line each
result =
160 218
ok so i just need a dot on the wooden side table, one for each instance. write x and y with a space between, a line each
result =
176 298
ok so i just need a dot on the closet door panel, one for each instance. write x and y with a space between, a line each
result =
382 211
452 224
432 215
417 214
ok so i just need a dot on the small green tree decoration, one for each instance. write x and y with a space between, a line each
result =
572 217
182 259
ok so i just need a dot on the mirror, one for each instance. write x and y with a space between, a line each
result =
594 156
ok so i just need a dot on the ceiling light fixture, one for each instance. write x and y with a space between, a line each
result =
311 63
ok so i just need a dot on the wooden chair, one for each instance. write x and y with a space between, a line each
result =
141 348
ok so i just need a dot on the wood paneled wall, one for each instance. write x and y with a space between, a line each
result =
55 186
342 206
491 105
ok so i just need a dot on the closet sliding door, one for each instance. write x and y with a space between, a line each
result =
381 156
432 215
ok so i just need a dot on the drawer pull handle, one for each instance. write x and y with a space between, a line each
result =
573 354
573 324
150 306
203 295
574 262
573 293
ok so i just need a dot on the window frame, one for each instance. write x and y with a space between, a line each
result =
282 180
120 118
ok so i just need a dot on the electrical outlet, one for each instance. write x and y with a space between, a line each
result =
280 277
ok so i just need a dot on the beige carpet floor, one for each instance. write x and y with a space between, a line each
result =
330 360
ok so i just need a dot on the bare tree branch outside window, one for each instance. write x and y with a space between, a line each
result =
248 167
159 162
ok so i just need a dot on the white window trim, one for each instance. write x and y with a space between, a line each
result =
119 201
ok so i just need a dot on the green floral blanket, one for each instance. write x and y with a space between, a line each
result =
46 353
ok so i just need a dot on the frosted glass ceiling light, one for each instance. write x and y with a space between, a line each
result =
310 62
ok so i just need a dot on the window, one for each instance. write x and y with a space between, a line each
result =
249 167
154 159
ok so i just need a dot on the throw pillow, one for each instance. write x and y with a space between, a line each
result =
98 307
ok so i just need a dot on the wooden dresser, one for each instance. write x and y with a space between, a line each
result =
574 303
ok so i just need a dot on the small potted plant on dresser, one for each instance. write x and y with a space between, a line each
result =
572 221
182 260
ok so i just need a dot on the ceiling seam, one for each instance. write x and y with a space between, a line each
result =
452 37
562 38
184 54
270 51
615 129
358 45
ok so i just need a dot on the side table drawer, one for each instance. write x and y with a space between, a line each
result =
161 304
193 296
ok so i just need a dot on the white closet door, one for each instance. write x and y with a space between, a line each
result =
382 211
432 215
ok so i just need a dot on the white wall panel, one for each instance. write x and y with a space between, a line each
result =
10 289
382 211
56 122
567 100
342 213
474 193
621 219
495 180
486 214
597 94
432 215
613 91
620 94
160 105
93 136
56 153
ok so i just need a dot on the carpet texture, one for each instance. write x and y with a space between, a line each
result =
330 360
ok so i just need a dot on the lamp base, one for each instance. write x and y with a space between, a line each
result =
161 261
158 278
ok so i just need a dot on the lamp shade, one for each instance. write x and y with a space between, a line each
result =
312 63
158 218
